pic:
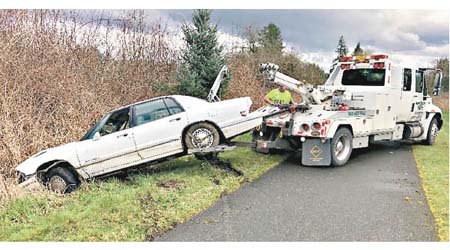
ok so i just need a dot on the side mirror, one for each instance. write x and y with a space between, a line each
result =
437 83
96 136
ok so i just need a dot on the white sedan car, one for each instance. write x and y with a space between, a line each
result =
146 131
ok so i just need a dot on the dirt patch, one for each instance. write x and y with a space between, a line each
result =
171 184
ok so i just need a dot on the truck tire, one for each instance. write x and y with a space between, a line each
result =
341 147
202 135
432 132
61 180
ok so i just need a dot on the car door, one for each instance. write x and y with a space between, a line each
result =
113 150
158 127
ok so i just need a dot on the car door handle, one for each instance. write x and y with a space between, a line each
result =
124 135
176 119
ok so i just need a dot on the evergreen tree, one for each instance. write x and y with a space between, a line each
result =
341 48
358 51
270 38
202 58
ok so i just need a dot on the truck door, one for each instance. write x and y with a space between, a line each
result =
408 95
418 103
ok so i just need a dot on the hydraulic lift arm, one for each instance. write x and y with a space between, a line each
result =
309 94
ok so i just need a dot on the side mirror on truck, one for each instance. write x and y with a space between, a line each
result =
437 83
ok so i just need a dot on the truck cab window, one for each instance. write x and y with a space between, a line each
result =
364 77
407 79
419 81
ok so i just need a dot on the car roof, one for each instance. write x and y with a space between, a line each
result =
176 97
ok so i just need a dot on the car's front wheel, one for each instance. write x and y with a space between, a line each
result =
61 180
201 136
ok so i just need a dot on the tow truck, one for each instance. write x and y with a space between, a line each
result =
365 99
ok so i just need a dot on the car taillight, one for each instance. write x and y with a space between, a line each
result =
305 127
316 126
250 109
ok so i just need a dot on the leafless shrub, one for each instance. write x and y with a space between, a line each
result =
55 82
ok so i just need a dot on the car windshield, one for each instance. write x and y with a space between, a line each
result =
96 128
364 77
110 123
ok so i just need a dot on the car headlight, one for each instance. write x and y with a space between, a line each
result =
23 177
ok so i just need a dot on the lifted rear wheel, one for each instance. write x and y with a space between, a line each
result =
202 135
341 147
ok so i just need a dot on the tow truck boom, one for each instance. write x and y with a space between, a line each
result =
309 94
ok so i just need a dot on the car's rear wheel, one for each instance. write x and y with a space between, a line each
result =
61 180
201 136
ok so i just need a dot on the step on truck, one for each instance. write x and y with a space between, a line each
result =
365 99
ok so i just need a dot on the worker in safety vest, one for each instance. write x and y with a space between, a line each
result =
279 96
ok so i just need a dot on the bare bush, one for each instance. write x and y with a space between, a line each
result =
55 82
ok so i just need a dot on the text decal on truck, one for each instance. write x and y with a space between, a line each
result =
357 113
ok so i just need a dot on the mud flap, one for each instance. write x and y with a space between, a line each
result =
316 153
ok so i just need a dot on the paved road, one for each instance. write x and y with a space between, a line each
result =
377 196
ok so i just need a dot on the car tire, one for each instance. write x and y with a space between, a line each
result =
202 135
341 147
61 180
432 132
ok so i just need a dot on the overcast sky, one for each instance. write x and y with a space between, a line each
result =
409 35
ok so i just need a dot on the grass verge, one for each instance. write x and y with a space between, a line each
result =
136 208
433 166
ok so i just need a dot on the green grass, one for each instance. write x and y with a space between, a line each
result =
433 166
133 209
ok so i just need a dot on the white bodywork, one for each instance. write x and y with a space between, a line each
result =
149 141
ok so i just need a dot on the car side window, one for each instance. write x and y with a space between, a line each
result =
117 121
150 111
173 107
407 79
419 81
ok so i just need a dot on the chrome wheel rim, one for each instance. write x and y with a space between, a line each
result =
342 147
57 184
202 138
434 132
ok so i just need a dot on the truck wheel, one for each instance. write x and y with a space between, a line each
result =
341 147
61 180
432 132
202 135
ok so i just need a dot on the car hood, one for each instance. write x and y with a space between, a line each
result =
66 152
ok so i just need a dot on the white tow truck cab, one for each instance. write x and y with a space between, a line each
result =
365 99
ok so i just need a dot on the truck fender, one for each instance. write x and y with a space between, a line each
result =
426 124
334 127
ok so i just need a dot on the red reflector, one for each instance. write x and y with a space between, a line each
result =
375 66
381 65
343 108
342 66
348 66
377 57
